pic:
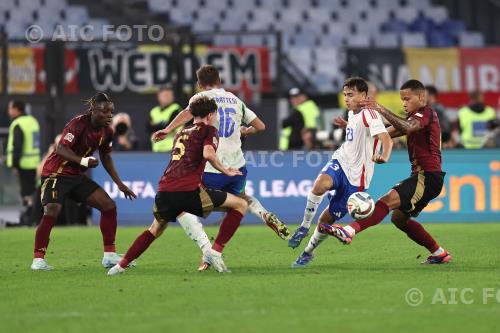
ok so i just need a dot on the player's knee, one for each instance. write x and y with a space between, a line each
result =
242 206
108 205
321 186
52 209
157 228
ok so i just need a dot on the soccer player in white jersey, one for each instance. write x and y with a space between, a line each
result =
232 113
350 170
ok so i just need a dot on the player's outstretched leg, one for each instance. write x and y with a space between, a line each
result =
236 208
316 239
322 184
416 232
270 219
194 229
140 245
42 236
382 208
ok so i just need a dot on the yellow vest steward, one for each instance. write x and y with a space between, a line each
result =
473 126
310 112
30 157
159 115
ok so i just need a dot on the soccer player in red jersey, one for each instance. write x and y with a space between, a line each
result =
180 188
63 175
409 197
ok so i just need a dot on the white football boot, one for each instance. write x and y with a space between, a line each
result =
115 270
39 264
110 259
215 259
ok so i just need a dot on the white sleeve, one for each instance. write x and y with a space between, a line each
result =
374 120
248 115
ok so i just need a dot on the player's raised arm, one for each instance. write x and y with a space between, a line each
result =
404 126
387 144
211 156
182 118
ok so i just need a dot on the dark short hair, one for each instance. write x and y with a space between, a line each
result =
208 75
20 105
166 87
431 90
475 95
356 82
413 85
99 97
202 106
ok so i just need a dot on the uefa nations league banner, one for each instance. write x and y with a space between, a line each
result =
281 181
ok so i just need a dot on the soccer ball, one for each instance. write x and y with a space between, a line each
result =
360 205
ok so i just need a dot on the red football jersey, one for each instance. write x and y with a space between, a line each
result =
80 137
186 166
424 146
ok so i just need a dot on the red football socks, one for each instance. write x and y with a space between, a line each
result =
381 210
416 232
108 226
42 235
138 247
227 229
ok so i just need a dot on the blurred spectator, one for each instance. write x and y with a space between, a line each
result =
309 139
492 137
160 116
124 138
304 115
472 121
444 121
23 153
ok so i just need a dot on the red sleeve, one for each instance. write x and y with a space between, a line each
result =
423 116
106 145
212 138
71 132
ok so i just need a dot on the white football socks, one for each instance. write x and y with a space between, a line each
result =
438 252
350 230
194 229
313 202
314 241
256 208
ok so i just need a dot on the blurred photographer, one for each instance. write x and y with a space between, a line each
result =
124 138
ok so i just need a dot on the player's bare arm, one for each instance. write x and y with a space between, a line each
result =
404 126
255 126
393 132
109 166
387 144
210 155
182 118
69 155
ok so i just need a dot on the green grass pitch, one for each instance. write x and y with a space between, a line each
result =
355 288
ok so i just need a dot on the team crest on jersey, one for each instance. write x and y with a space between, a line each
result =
69 137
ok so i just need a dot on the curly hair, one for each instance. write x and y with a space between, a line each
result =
202 106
